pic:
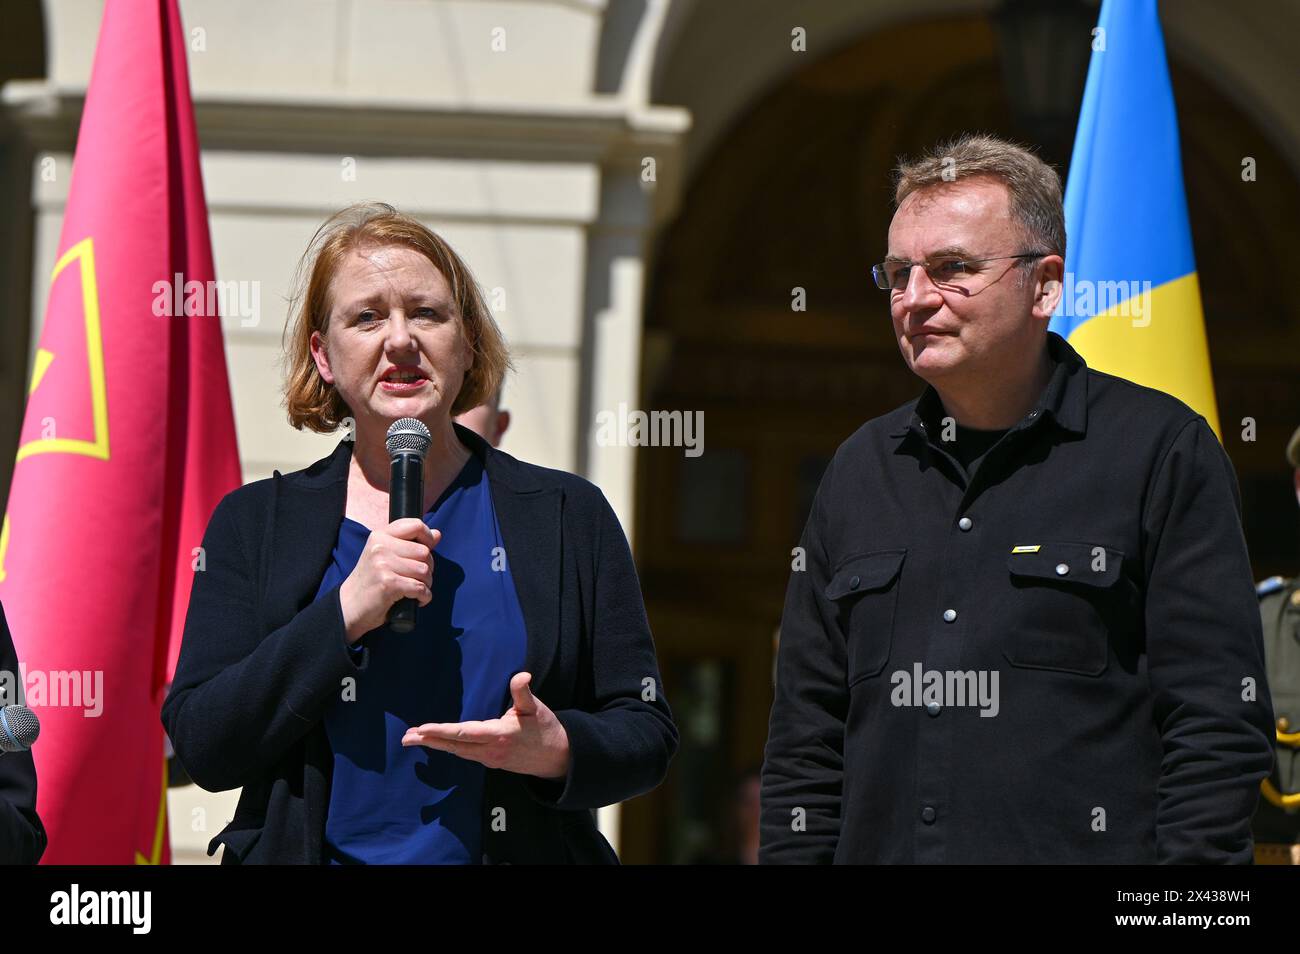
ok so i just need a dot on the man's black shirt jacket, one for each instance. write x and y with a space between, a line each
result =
1059 660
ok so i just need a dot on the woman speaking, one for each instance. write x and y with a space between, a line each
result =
526 695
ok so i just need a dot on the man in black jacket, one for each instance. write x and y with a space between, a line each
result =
22 836
1021 625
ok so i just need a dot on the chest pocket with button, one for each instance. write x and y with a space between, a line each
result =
864 589
1066 601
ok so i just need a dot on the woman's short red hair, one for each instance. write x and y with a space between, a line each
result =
313 403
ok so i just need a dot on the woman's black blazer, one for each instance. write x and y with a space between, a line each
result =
262 659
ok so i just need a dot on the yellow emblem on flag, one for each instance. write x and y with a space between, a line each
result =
83 253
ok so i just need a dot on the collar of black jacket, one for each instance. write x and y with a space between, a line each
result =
1064 400
501 467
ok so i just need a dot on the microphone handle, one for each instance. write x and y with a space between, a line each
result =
405 499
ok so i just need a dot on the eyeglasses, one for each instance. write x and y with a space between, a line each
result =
893 276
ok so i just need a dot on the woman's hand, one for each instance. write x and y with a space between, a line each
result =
528 739
396 562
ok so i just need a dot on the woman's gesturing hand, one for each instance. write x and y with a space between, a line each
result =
396 562
528 739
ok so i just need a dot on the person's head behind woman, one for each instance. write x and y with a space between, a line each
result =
386 322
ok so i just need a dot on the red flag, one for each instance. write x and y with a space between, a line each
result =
128 443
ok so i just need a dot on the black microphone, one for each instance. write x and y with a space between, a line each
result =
19 728
408 441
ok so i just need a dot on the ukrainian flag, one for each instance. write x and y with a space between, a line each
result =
1131 304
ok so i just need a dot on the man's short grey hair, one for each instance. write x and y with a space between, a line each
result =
1034 186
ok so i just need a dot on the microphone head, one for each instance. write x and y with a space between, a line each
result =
408 436
19 728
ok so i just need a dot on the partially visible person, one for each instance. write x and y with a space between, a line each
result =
22 836
487 420
1277 819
